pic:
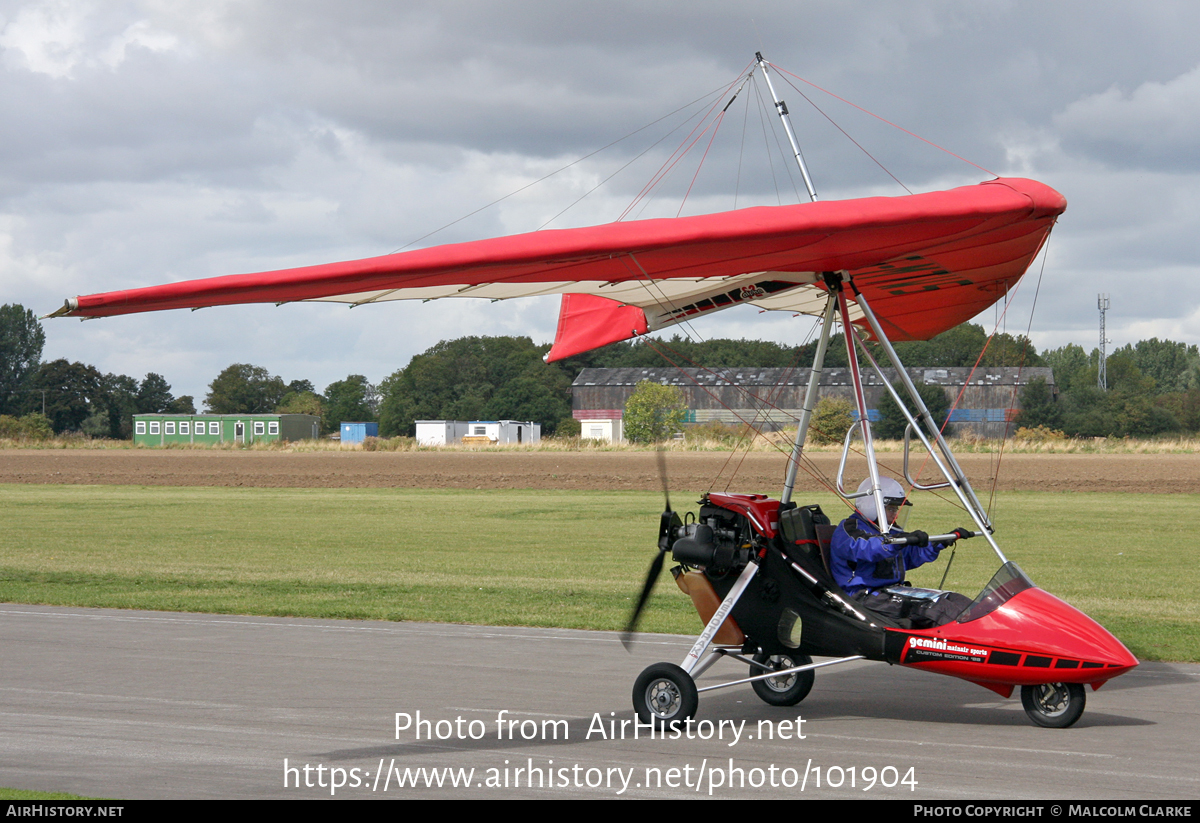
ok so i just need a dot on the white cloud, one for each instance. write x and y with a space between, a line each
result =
47 38
153 140
1156 124
56 37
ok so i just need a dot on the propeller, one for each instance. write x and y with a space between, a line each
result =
668 523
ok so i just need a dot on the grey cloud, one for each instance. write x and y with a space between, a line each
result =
272 134
1155 125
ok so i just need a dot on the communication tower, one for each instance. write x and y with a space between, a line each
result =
1101 372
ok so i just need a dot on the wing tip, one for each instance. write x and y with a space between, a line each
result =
69 307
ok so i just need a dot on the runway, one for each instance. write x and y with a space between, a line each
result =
126 704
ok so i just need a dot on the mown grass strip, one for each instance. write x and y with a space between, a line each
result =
537 558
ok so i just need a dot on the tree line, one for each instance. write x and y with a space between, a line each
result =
1153 388
1153 385
57 396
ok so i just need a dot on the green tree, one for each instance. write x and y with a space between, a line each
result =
183 404
1071 366
568 427
474 378
531 397
244 389
961 347
1009 350
302 402
21 342
1173 366
831 419
119 398
1088 412
1184 407
892 423
1038 407
72 393
33 426
653 412
153 395
711 354
353 399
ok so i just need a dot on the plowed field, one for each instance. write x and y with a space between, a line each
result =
635 471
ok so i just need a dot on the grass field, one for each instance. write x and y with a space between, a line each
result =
564 559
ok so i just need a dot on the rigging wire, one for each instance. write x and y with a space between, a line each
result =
771 400
766 403
1020 369
671 161
818 476
846 134
885 120
787 167
737 186
652 283
706 95
716 126
633 160
767 144
875 365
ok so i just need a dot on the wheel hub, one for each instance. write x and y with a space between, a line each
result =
664 697
1052 699
783 682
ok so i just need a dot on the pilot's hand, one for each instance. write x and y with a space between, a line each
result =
963 534
917 538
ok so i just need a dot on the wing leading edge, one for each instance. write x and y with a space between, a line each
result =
926 262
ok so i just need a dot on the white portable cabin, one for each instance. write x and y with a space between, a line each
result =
506 431
607 429
440 432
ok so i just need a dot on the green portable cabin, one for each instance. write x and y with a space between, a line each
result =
208 429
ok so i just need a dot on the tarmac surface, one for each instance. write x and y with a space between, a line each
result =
126 704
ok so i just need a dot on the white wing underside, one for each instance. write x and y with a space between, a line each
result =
661 300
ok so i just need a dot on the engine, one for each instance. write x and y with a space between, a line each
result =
718 542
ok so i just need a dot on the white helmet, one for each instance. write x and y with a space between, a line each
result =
893 495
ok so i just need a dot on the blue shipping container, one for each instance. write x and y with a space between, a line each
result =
358 432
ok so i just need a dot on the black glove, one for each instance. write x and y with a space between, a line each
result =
917 538
963 534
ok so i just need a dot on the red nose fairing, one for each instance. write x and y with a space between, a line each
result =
1031 637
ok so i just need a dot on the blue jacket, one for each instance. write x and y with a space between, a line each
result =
861 560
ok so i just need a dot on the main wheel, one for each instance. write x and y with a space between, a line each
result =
786 689
664 693
1053 705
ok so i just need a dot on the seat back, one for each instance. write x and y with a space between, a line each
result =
824 539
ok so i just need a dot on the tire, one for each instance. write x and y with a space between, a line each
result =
665 694
787 690
1053 705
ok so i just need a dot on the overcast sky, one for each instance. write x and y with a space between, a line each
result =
145 142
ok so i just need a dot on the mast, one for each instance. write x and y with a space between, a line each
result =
782 108
1102 360
810 400
814 378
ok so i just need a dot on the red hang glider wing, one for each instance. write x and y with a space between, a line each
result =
926 262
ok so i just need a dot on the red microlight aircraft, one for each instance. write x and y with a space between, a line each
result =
891 268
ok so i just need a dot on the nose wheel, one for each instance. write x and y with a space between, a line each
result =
664 694
1053 705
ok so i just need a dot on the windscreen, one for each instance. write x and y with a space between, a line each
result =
1005 583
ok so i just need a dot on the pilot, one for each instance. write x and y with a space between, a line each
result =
865 567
